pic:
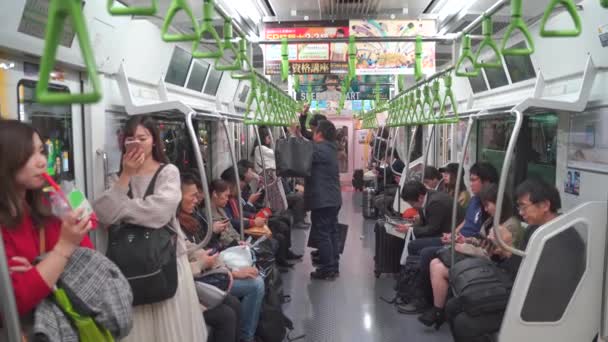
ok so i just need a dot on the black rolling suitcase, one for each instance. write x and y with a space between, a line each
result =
358 182
388 251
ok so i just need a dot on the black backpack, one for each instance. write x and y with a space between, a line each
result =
481 293
146 257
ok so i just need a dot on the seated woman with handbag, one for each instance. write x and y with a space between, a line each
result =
248 284
223 317
485 247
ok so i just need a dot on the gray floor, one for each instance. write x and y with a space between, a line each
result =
350 309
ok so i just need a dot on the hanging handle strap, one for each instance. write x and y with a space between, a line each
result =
571 8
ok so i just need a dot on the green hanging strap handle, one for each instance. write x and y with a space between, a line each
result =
253 98
488 42
604 3
411 108
59 10
309 91
88 330
403 107
571 8
517 23
115 10
449 96
296 83
418 116
400 83
284 59
229 45
418 73
427 105
207 27
245 74
466 54
175 6
352 57
435 102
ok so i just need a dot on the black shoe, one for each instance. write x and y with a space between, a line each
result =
293 256
316 261
315 254
323 275
433 316
416 306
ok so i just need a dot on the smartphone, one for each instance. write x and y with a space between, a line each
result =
131 145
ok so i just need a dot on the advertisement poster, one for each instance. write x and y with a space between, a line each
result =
395 57
328 87
572 185
588 141
327 57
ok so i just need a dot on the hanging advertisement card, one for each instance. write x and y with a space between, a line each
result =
394 57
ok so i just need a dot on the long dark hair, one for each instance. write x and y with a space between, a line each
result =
158 147
264 132
489 193
16 148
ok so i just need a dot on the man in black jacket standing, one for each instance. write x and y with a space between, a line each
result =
323 197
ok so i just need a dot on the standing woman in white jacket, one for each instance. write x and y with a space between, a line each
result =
274 188
179 318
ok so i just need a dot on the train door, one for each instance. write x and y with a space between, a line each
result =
346 143
60 126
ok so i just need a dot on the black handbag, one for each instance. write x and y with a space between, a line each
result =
146 257
293 157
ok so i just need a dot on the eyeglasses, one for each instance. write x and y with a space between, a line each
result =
523 207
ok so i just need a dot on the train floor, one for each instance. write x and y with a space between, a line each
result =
349 308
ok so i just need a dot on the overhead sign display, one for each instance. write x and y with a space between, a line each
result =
313 58
394 57
328 88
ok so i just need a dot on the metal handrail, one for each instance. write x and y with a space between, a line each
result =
459 176
236 177
104 155
8 306
377 146
203 175
406 168
502 183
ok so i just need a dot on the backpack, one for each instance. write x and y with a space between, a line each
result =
407 281
479 287
273 325
146 257
481 293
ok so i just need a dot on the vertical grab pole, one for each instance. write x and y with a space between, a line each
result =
404 173
502 183
459 176
236 172
257 137
203 175
8 307
426 151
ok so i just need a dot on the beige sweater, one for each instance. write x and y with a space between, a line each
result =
155 211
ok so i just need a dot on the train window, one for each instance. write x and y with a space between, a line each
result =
542 155
478 83
417 150
178 67
55 126
520 67
198 74
493 137
213 82
558 272
496 77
